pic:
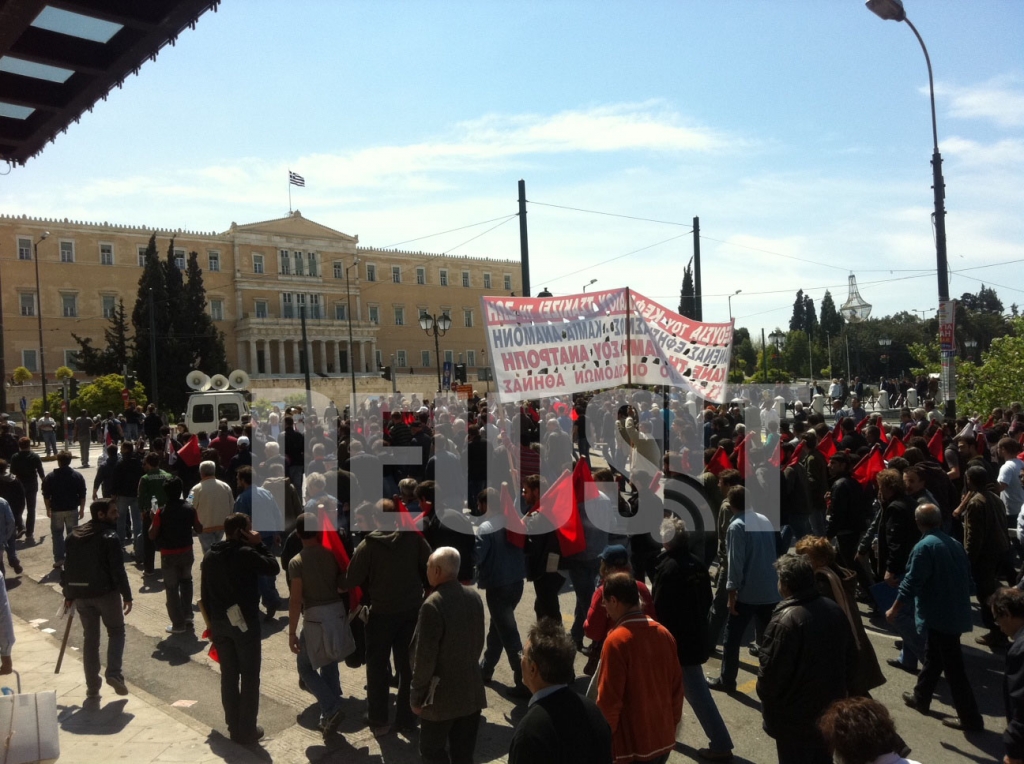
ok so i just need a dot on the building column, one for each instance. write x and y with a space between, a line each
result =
254 368
373 355
295 357
331 349
362 357
239 353
281 367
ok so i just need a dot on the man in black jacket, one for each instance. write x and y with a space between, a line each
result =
560 726
1008 611
171 529
94 580
682 600
13 493
542 552
231 599
848 515
125 486
28 468
807 660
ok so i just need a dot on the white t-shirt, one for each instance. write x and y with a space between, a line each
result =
1013 495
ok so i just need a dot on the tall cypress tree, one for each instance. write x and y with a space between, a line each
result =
687 296
153 278
200 332
119 349
831 320
798 319
810 317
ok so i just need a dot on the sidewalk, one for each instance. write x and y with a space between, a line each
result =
136 728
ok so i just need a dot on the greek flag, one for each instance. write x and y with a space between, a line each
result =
296 180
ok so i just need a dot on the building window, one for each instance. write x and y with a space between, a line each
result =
374 314
214 262
299 269
311 262
28 303
448 356
396 274
425 358
399 316
217 310
106 254
470 358
67 252
421 276
109 305
339 271
257 264
400 359
285 263
340 312
467 317
261 309
69 305
465 278
71 359
179 259
487 281
444 277
24 249
142 256
300 305
314 306
508 283
371 272
378 358
30 360
287 306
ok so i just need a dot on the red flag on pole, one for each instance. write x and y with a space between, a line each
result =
882 438
776 458
798 453
867 469
405 518
331 541
740 457
558 505
895 448
719 462
515 530
190 453
860 424
936 448
827 446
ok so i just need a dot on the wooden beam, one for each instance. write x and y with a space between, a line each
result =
15 16
36 94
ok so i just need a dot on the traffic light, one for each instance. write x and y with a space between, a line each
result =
72 388
460 373
386 373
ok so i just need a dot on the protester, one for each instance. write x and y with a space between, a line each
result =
27 467
938 575
65 495
808 660
1008 610
46 425
560 726
230 591
268 520
543 554
7 638
213 502
82 435
614 559
127 472
861 731
95 582
152 498
719 614
447 691
13 494
171 530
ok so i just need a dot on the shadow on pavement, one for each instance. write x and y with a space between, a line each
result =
94 719
233 752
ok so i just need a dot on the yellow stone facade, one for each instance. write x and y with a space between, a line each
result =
258 277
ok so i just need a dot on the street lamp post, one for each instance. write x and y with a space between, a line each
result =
730 303
776 338
971 345
884 343
892 10
351 344
39 317
437 326
592 281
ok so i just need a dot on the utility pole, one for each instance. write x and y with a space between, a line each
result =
3 367
394 376
152 351
305 355
764 356
524 242
698 298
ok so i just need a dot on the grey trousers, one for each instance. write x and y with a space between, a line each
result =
108 609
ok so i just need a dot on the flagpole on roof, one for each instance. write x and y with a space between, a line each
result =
289 191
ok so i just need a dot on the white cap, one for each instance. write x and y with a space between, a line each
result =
243 441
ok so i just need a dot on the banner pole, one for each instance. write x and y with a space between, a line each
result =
629 359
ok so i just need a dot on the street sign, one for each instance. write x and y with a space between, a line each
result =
446 376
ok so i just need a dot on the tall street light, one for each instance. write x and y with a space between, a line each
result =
777 338
437 326
884 343
892 10
592 281
730 303
351 344
39 316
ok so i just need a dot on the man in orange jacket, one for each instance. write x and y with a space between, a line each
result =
638 663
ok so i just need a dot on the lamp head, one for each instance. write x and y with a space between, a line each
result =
888 10
45 234
426 321
444 323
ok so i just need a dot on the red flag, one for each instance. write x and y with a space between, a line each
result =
190 453
882 437
1021 439
573 415
212 652
331 541
739 455
827 446
656 482
405 518
776 458
895 448
860 424
798 452
868 467
719 462
837 427
936 448
515 531
989 422
558 505
982 443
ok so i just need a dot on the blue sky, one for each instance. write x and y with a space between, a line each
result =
795 128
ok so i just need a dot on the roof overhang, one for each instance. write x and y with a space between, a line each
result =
59 57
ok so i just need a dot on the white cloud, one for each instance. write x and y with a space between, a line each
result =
1000 153
1000 100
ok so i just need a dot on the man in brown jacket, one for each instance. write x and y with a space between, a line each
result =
986 542
447 688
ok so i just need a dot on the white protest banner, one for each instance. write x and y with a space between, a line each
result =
544 346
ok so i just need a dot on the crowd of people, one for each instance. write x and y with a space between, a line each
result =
391 523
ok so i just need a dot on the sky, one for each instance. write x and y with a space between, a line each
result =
799 132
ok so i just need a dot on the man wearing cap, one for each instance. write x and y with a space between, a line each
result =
242 458
225 444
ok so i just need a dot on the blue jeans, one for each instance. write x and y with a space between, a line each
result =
126 504
50 439
735 628
801 526
325 684
583 575
268 584
699 697
61 524
209 538
131 431
913 641
503 631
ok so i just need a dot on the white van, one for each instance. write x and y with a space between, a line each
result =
206 409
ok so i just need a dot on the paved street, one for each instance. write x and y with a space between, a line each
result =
174 711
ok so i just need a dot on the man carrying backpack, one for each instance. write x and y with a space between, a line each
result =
171 529
94 580
151 494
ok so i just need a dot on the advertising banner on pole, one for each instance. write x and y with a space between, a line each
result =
542 346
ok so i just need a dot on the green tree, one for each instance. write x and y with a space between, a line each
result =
103 394
53 401
810 318
21 375
795 356
153 278
202 336
798 321
118 351
996 381
743 352
687 296
831 322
